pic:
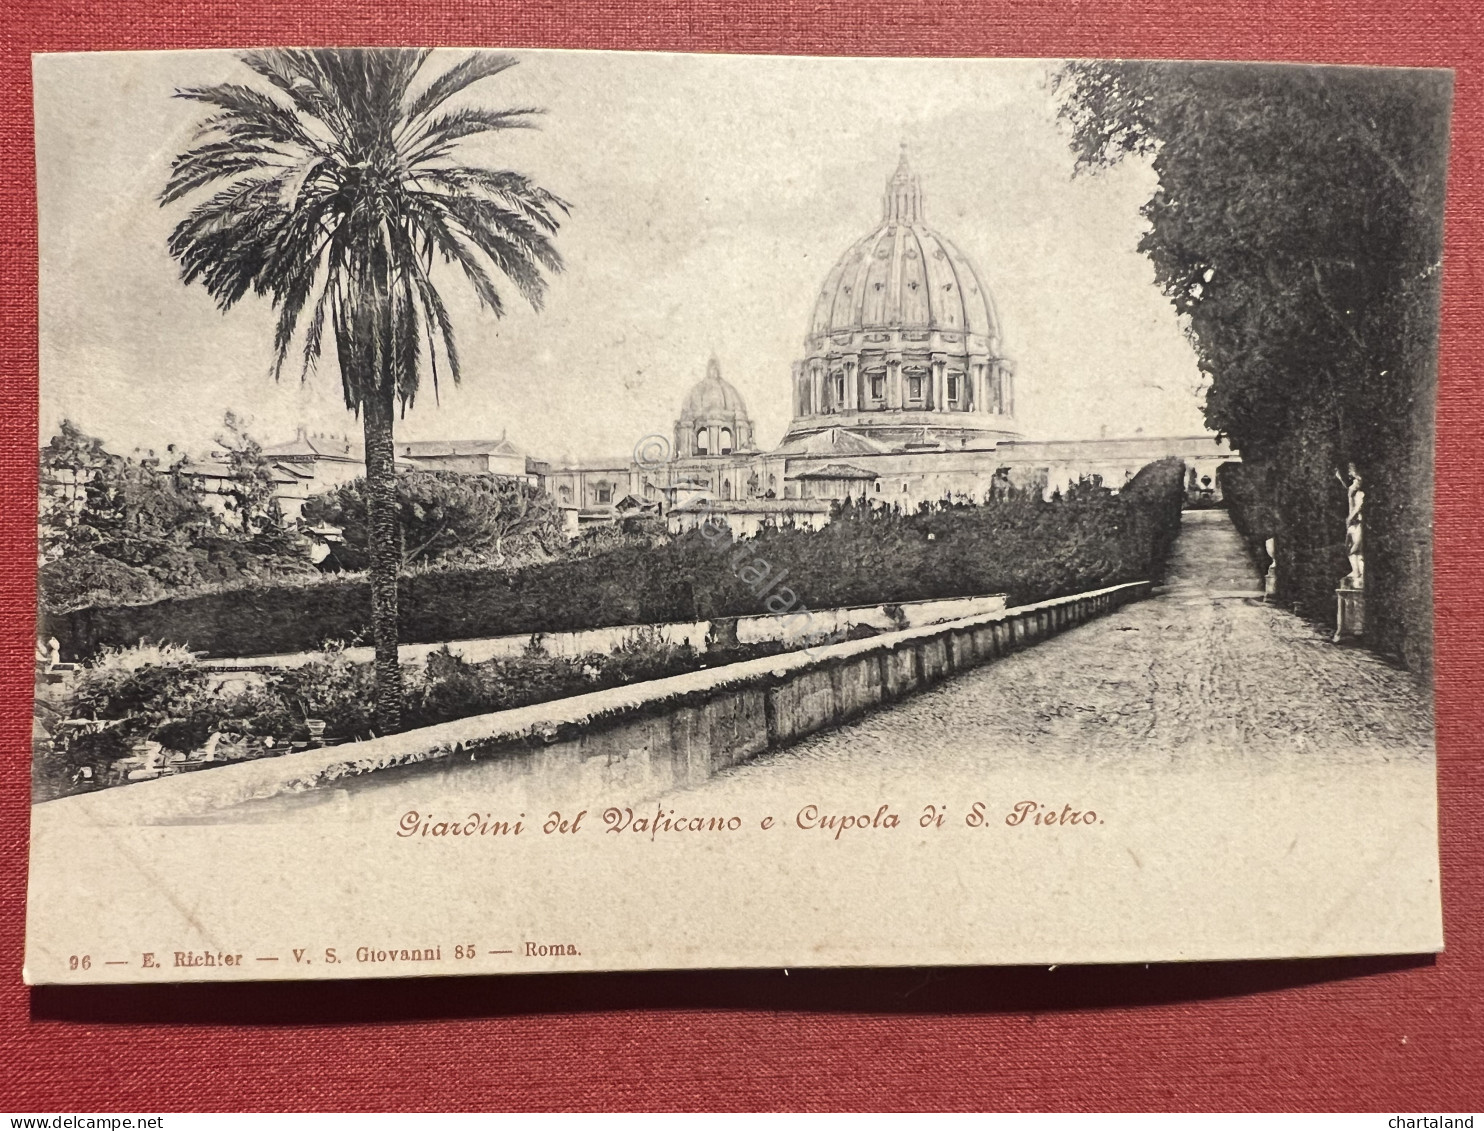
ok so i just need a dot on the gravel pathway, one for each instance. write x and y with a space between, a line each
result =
1203 675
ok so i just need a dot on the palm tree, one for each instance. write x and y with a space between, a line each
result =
335 182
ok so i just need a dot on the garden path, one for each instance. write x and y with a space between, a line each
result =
1203 673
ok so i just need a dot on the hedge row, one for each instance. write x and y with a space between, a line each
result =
1029 548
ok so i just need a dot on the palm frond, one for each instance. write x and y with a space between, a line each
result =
247 114
296 73
435 139
407 340
513 244
221 161
295 293
454 247
314 334
223 241
368 85
332 189
437 315
465 73
520 192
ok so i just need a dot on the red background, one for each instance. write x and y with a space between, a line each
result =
1388 1034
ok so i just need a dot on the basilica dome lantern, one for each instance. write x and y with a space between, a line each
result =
904 343
713 419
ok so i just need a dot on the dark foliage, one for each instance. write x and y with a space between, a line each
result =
1020 545
169 702
445 516
1298 225
116 530
250 497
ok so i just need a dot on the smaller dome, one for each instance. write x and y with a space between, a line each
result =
712 397
713 419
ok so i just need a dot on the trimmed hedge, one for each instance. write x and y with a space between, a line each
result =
1021 545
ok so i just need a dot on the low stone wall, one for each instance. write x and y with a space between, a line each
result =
636 741
805 627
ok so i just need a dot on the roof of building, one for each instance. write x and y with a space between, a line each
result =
218 469
904 274
616 465
713 399
833 442
834 471
755 506
429 449
206 467
304 446
1199 446
634 502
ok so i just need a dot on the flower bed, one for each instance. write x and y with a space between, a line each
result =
139 713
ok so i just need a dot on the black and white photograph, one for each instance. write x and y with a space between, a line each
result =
514 511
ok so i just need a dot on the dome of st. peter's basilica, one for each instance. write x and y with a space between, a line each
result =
905 344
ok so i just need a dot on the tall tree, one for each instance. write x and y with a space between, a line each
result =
1297 228
448 516
336 181
250 495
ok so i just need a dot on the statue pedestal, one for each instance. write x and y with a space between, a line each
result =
1349 613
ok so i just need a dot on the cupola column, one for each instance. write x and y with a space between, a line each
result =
894 380
940 383
1004 394
978 391
816 387
852 384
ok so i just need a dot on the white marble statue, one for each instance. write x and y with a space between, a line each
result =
1354 528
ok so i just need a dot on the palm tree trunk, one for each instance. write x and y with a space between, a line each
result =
385 550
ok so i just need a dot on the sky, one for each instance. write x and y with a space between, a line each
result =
710 197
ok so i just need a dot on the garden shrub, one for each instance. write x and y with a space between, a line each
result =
1022 545
164 695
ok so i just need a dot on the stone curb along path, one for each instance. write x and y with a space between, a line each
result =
685 728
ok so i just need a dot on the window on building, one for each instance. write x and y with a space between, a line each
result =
878 487
953 388
878 385
914 387
604 493
703 441
839 388
726 489
565 494
726 441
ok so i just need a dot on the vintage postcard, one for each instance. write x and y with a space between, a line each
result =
524 511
